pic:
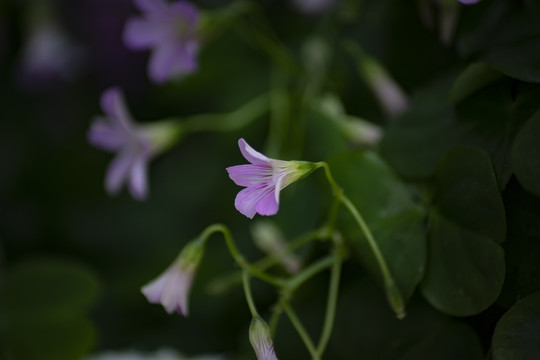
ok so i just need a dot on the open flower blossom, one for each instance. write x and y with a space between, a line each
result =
264 178
134 144
170 30
171 288
260 339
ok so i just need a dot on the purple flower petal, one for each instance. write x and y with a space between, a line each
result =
138 181
152 7
268 205
112 104
249 174
105 136
142 34
247 199
187 11
118 170
171 60
251 154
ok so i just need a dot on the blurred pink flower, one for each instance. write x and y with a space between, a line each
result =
170 30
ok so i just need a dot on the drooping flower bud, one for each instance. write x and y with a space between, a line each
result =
171 288
261 340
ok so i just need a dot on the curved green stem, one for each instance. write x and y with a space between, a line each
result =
393 294
331 305
220 228
301 330
221 283
309 272
231 121
247 292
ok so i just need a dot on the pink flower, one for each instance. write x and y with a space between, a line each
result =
170 30
134 144
171 288
260 339
264 178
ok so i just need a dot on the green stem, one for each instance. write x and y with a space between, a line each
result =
215 228
231 121
331 305
247 292
393 294
221 283
309 272
301 330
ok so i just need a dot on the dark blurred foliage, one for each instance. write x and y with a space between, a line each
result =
64 237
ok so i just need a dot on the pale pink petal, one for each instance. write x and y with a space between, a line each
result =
251 154
153 290
138 177
249 175
246 201
267 205
118 170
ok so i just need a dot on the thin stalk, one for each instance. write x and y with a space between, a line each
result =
249 296
301 331
309 272
331 305
393 294
233 250
231 121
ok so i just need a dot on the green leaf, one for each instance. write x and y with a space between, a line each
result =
369 331
492 117
466 266
52 339
465 271
517 333
388 208
62 286
526 155
44 302
473 78
468 193
414 142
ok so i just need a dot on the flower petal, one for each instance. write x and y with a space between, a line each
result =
246 201
113 105
250 175
119 169
171 59
153 290
105 136
251 154
175 292
268 205
152 7
187 11
138 177
144 33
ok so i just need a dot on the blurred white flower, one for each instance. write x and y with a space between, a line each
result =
160 354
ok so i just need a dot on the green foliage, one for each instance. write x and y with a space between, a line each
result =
465 265
389 210
517 332
44 302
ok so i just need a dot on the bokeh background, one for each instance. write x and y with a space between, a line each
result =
73 258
